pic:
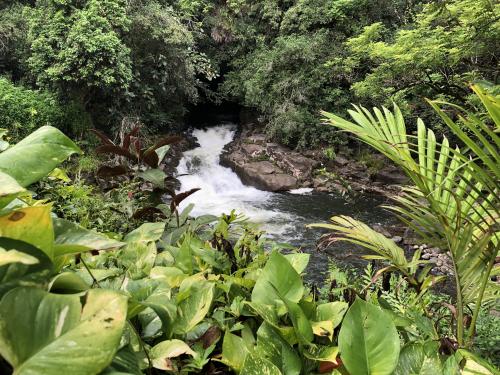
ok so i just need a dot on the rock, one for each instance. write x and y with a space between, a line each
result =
397 239
381 230
266 176
280 182
340 161
390 176
262 168
252 149
259 139
299 166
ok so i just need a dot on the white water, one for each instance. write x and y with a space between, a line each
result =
221 189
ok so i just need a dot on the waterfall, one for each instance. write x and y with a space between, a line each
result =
221 189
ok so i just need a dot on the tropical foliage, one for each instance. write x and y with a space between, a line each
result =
453 203
286 60
188 295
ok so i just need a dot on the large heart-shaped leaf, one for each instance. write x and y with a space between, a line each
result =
32 225
368 340
50 334
255 364
194 307
273 347
278 278
416 360
234 351
37 155
147 232
72 238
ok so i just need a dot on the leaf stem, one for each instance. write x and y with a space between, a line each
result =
477 308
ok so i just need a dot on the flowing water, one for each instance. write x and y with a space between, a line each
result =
282 215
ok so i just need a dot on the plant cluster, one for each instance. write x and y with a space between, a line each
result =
212 295
22 111
155 59
453 204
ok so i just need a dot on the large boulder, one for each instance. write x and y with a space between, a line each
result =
266 176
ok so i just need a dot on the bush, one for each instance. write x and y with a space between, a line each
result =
23 110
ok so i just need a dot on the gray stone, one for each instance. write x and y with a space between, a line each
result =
397 239
391 176
340 161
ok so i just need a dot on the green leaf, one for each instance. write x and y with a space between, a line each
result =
276 349
257 365
322 353
299 261
44 333
300 322
32 225
71 238
14 256
9 189
16 274
328 316
475 365
277 276
234 351
155 176
161 152
147 232
332 311
162 353
126 362
68 282
172 275
193 309
37 155
368 340
138 258
414 360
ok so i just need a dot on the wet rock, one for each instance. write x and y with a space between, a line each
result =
266 176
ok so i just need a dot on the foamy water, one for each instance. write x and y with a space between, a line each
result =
221 189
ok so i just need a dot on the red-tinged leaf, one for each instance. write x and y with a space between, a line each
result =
171 139
151 159
137 147
103 137
107 171
178 198
128 137
112 149
327 367
210 336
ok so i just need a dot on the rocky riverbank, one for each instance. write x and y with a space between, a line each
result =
272 167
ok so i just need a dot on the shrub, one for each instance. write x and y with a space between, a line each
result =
23 110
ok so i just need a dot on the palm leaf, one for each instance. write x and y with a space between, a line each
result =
454 201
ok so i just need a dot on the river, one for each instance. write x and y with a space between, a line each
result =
282 215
